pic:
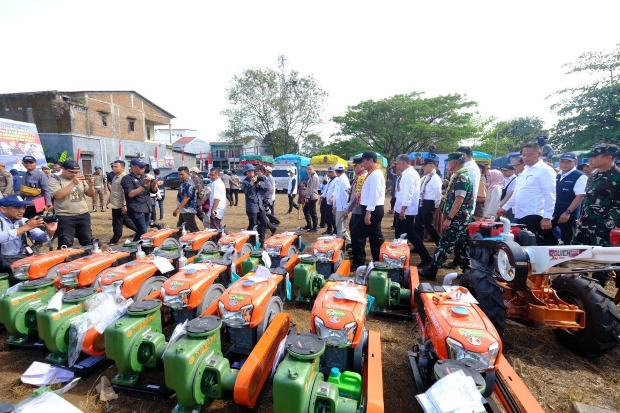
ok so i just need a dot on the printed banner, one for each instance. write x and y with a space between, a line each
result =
18 139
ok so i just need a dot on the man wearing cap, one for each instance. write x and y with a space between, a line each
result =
430 199
312 196
533 199
570 189
6 180
69 189
262 172
354 207
601 207
256 191
340 202
473 170
372 201
14 231
35 185
291 191
46 169
186 201
116 202
407 203
327 199
137 186
200 190
100 188
457 211
110 176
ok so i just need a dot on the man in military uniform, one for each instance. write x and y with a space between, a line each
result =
100 187
6 180
457 215
601 207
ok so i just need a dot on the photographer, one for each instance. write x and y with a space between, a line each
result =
68 190
137 186
14 229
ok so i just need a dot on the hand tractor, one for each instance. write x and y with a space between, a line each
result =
513 278
45 264
194 242
195 365
153 239
244 242
337 366
455 334
278 247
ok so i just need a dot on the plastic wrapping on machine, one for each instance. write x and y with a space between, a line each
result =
56 302
17 287
101 311
178 333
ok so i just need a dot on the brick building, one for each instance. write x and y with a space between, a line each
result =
101 124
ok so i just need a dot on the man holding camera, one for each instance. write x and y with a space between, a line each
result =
15 229
68 190
137 186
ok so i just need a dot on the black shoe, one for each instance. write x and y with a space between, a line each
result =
425 263
112 243
288 213
429 273
392 227
321 226
450 266
273 230
307 228
313 230
327 233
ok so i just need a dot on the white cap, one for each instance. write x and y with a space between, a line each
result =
339 167
268 168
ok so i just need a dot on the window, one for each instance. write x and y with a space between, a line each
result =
148 133
104 121
132 125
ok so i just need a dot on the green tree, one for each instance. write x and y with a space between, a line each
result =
313 145
263 101
510 135
406 123
346 148
592 111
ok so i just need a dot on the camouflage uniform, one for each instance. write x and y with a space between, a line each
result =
456 235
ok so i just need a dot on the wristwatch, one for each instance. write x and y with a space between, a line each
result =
568 211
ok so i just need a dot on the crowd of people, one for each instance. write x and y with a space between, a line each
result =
569 206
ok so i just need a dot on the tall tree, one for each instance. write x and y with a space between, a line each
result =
406 123
510 135
313 145
346 148
592 111
263 101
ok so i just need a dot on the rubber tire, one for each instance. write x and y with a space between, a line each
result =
213 293
602 331
489 295
359 352
339 260
274 307
209 245
247 247
149 286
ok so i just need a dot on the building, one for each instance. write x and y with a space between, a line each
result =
104 125
168 135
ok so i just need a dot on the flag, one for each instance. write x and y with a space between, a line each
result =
78 155
183 156
202 161
155 153
120 150
210 160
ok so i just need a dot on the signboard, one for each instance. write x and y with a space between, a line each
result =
165 162
18 139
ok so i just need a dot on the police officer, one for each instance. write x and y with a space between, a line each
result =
570 189
101 188
457 215
14 229
601 207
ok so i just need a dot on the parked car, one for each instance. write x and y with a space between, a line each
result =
172 180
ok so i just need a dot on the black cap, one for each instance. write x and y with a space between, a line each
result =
429 161
357 160
370 155
508 167
70 164
29 158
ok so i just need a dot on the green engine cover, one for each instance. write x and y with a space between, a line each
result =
386 292
308 281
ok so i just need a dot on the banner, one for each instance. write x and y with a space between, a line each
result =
18 139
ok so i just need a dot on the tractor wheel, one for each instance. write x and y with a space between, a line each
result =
53 272
602 331
339 260
149 287
359 351
247 248
209 245
489 295
213 293
273 307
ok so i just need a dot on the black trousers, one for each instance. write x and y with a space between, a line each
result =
312 219
330 220
229 196
234 193
424 221
543 237
407 226
291 203
323 211
360 231
567 229
74 226
258 219
118 220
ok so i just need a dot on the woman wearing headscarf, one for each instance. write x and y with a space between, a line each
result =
494 193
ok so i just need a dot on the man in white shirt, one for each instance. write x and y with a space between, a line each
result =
327 196
570 192
372 200
533 199
341 202
407 203
217 199
473 170
430 198
292 191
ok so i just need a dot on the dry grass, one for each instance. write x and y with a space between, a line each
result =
554 375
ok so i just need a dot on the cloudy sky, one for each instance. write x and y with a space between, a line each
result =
181 55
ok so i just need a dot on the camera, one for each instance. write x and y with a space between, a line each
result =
49 218
260 179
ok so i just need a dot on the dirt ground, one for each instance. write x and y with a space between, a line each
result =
554 375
